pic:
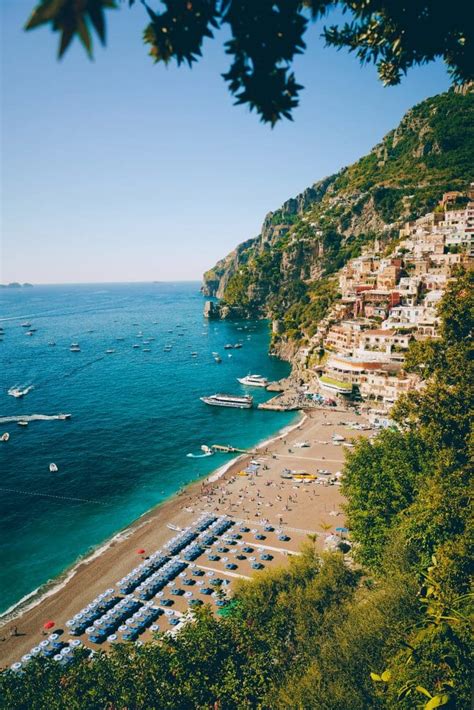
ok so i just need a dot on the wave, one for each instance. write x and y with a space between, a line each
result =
33 418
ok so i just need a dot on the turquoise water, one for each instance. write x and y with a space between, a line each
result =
135 414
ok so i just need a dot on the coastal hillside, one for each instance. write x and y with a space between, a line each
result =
285 272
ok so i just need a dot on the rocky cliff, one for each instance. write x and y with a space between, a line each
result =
285 272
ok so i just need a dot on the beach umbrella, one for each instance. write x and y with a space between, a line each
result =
48 625
44 643
75 643
26 658
34 651
16 666
342 530
57 657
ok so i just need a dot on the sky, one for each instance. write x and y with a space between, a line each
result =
118 169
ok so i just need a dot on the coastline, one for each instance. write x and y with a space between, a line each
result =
302 509
55 585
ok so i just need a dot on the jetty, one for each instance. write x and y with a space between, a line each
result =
227 449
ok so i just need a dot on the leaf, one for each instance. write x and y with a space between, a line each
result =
420 689
436 702
375 677
386 675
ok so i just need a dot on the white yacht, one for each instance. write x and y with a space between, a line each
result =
53 468
5 436
229 400
74 348
253 381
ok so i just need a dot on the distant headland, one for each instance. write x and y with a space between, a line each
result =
16 284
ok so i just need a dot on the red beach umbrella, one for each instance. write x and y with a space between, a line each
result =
141 551
48 625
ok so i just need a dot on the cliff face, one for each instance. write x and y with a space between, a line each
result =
312 235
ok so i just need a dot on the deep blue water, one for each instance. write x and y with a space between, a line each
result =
135 415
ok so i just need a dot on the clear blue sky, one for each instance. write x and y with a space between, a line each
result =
122 170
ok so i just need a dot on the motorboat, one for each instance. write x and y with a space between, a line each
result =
228 346
22 423
30 332
109 351
237 346
5 436
75 348
229 400
53 468
135 347
217 359
253 381
51 342
26 324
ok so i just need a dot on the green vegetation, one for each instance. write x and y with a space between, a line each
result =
264 38
336 383
318 633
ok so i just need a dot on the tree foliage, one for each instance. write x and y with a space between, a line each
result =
266 35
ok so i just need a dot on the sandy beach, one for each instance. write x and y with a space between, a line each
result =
295 507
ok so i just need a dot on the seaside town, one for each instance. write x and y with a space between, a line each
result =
386 302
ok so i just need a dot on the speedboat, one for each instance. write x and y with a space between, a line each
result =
53 468
217 359
5 436
75 348
135 346
194 354
22 423
253 381
237 346
109 351
25 324
228 346
29 332
229 400
51 342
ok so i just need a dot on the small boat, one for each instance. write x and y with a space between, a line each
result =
215 354
136 346
26 324
194 354
64 416
147 350
53 468
5 436
206 450
119 339
29 332
51 342
218 359
167 348
22 423
75 348
237 346
109 351
228 346
337 437
229 354
253 381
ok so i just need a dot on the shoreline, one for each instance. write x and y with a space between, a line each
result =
54 585
301 508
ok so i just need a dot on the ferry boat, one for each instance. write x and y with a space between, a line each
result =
253 381
229 400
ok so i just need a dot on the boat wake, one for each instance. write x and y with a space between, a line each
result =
199 456
33 418
16 391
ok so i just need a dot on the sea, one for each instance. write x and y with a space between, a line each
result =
135 414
